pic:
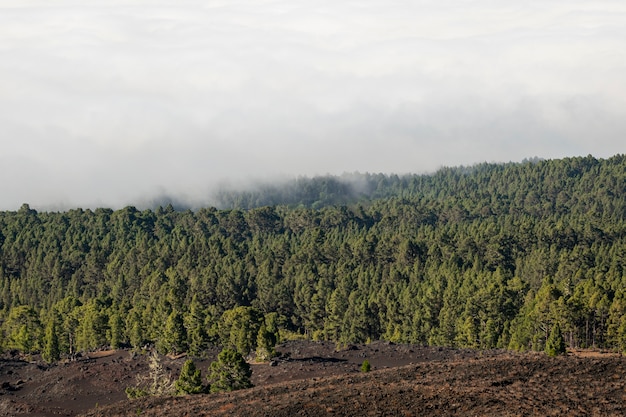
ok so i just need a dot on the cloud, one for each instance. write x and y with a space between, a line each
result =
107 102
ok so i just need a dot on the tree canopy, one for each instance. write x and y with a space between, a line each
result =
492 255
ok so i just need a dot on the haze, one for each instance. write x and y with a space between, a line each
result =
110 103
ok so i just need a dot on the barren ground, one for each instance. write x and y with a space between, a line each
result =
314 379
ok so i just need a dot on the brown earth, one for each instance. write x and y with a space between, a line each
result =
314 379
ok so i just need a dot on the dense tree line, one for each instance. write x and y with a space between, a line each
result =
493 255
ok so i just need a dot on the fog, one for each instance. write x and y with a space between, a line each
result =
113 103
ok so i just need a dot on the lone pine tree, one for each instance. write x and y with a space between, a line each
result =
230 372
190 380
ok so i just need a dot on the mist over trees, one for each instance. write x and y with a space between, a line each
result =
494 255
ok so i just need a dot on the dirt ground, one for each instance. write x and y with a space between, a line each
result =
316 379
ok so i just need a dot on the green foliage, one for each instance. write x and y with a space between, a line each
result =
190 379
116 326
67 310
365 366
195 325
555 345
174 339
484 256
51 352
239 329
23 329
265 344
93 325
230 372
135 392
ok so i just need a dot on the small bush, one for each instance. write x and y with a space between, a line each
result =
229 373
135 392
190 380
365 367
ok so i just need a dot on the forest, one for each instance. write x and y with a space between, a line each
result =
488 256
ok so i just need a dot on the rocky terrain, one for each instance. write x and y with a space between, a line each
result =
316 379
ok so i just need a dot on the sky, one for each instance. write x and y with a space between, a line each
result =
108 103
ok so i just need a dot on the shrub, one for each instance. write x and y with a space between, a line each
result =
230 372
135 392
158 382
190 380
265 344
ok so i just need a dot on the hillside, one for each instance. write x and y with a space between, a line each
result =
491 256
315 379
503 385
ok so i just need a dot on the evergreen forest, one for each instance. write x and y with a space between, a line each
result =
487 256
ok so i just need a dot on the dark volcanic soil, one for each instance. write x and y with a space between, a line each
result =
313 379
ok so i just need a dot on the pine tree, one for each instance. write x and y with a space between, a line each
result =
23 330
239 328
230 372
174 338
555 345
116 328
190 380
51 351
196 332
135 330
265 344
93 325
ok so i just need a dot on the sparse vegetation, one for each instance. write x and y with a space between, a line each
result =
158 382
365 366
408 378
